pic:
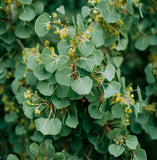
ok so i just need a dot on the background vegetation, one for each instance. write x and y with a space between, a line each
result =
87 123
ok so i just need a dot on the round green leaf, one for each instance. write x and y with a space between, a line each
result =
28 13
97 34
23 31
63 47
60 103
142 43
64 77
45 88
62 91
39 5
59 156
25 1
19 130
116 150
2 66
82 85
34 148
86 48
40 24
40 72
3 74
12 157
131 142
47 148
149 76
11 117
85 11
48 126
8 37
3 27
111 89
61 9
117 110
153 132
94 112
72 119
28 110
109 14
140 154
109 72
87 63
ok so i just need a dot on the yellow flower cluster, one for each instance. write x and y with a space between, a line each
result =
8 75
9 106
150 108
136 2
1 89
24 56
117 97
29 103
127 99
72 51
8 1
37 111
63 32
27 94
93 2
128 111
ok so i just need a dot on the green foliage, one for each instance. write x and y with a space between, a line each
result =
68 79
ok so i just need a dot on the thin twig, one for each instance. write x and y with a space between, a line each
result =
20 44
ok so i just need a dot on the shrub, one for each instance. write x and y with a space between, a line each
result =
69 82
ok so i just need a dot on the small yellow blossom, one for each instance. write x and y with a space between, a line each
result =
25 53
114 46
95 11
132 95
116 32
130 89
24 59
87 36
99 80
26 69
54 15
127 110
37 111
72 42
130 110
18 4
38 59
8 1
52 51
29 103
48 26
89 20
127 120
59 22
122 100
47 43
98 18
